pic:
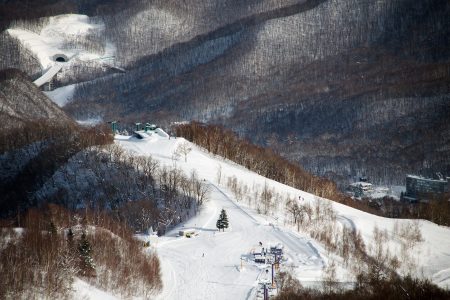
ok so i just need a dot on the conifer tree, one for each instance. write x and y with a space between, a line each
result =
222 222
224 218
219 224
87 265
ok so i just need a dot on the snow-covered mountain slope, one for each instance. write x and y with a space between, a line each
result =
60 37
83 291
68 48
61 95
208 266
339 78
21 101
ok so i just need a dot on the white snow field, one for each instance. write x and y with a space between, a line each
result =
61 37
61 96
83 290
208 266
53 39
187 274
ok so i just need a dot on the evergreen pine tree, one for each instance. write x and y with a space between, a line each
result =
87 265
222 222
219 224
224 218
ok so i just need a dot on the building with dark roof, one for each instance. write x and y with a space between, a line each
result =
422 189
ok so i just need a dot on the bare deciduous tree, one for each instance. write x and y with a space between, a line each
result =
183 149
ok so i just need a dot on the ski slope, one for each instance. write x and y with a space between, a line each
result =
187 274
63 95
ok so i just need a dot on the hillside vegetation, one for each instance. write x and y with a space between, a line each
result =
370 287
220 141
21 101
55 246
32 152
346 89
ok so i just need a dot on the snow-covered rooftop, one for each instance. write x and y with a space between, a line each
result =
427 179
361 184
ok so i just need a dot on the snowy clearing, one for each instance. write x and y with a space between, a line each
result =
84 291
62 95
56 37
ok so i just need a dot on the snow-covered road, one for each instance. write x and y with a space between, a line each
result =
48 75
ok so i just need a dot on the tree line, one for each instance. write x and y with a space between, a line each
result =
55 145
221 141
54 245
60 183
80 167
382 288
264 161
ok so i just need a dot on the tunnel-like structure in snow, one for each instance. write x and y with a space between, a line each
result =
49 73
60 58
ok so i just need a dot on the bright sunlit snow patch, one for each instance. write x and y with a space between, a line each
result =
56 38
90 121
71 24
62 95
85 291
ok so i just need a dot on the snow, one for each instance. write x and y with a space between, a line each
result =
161 132
379 192
55 37
375 191
48 75
12 162
84 291
217 275
361 184
187 274
61 96
442 278
90 121
223 250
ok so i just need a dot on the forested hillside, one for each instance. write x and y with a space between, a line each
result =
275 95
345 88
21 101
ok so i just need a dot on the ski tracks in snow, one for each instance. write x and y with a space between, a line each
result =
217 275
